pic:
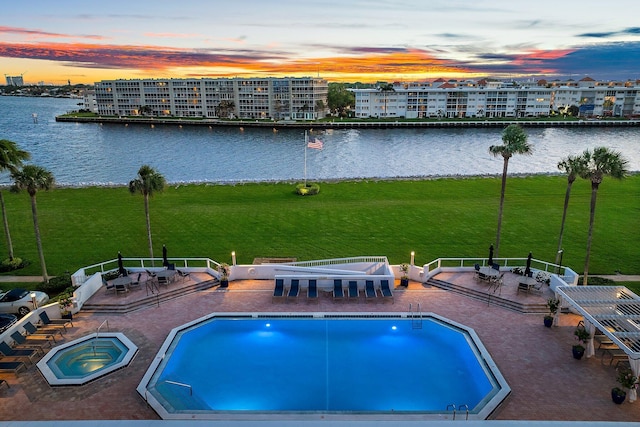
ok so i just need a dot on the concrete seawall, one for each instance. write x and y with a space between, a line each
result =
349 124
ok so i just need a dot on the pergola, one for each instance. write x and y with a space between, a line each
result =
614 310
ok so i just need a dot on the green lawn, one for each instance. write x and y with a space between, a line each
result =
434 218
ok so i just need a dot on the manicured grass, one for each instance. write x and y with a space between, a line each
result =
434 218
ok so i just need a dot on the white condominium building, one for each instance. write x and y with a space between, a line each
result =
288 98
459 99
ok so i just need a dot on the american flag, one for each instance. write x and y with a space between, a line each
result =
315 144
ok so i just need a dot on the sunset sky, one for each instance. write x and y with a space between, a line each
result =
400 40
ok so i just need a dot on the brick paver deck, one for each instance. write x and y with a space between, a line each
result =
547 382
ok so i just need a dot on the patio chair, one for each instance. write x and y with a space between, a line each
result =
312 290
121 288
135 283
476 273
21 342
12 367
338 291
294 289
2 381
386 290
55 323
278 291
24 354
184 275
109 287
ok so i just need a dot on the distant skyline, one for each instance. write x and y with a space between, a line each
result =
366 41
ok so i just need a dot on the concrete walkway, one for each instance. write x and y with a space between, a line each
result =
24 279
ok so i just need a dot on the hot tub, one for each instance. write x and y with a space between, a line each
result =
87 358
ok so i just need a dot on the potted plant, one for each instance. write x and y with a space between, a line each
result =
553 305
65 302
582 335
224 271
627 380
404 279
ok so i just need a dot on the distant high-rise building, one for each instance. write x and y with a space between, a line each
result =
14 80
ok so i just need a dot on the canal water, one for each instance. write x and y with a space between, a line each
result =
111 154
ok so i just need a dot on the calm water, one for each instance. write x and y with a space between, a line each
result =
322 365
83 154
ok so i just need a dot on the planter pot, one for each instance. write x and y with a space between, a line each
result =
404 282
618 395
578 351
548 321
224 283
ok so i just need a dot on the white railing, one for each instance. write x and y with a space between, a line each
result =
342 261
560 275
142 264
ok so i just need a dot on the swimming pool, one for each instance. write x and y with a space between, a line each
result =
87 358
322 364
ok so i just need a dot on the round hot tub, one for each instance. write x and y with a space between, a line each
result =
87 358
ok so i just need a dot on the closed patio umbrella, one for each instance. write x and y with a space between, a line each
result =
121 269
165 262
491 255
527 271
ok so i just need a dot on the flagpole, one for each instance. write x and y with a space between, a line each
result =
305 158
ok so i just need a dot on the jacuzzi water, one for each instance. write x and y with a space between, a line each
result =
371 365
86 359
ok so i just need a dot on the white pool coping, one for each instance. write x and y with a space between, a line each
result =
53 380
488 406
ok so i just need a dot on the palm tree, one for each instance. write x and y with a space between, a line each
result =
11 158
33 178
573 167
146 183
598 164
515 142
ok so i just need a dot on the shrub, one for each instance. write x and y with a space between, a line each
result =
10 265
111 275
56 285
308 189
598 281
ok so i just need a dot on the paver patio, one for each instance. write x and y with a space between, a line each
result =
546 382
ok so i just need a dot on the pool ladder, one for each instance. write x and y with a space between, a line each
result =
100 327
416 317
451 406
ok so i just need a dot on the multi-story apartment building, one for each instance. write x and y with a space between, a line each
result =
287 98
457 99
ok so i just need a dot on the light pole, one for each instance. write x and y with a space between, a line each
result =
559 260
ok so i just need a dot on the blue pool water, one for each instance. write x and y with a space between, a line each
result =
322 365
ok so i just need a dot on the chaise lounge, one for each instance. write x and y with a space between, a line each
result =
54 323
338 291
353 289
385 290
294 290
12 367
369 290
24 354
312 290
278 291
